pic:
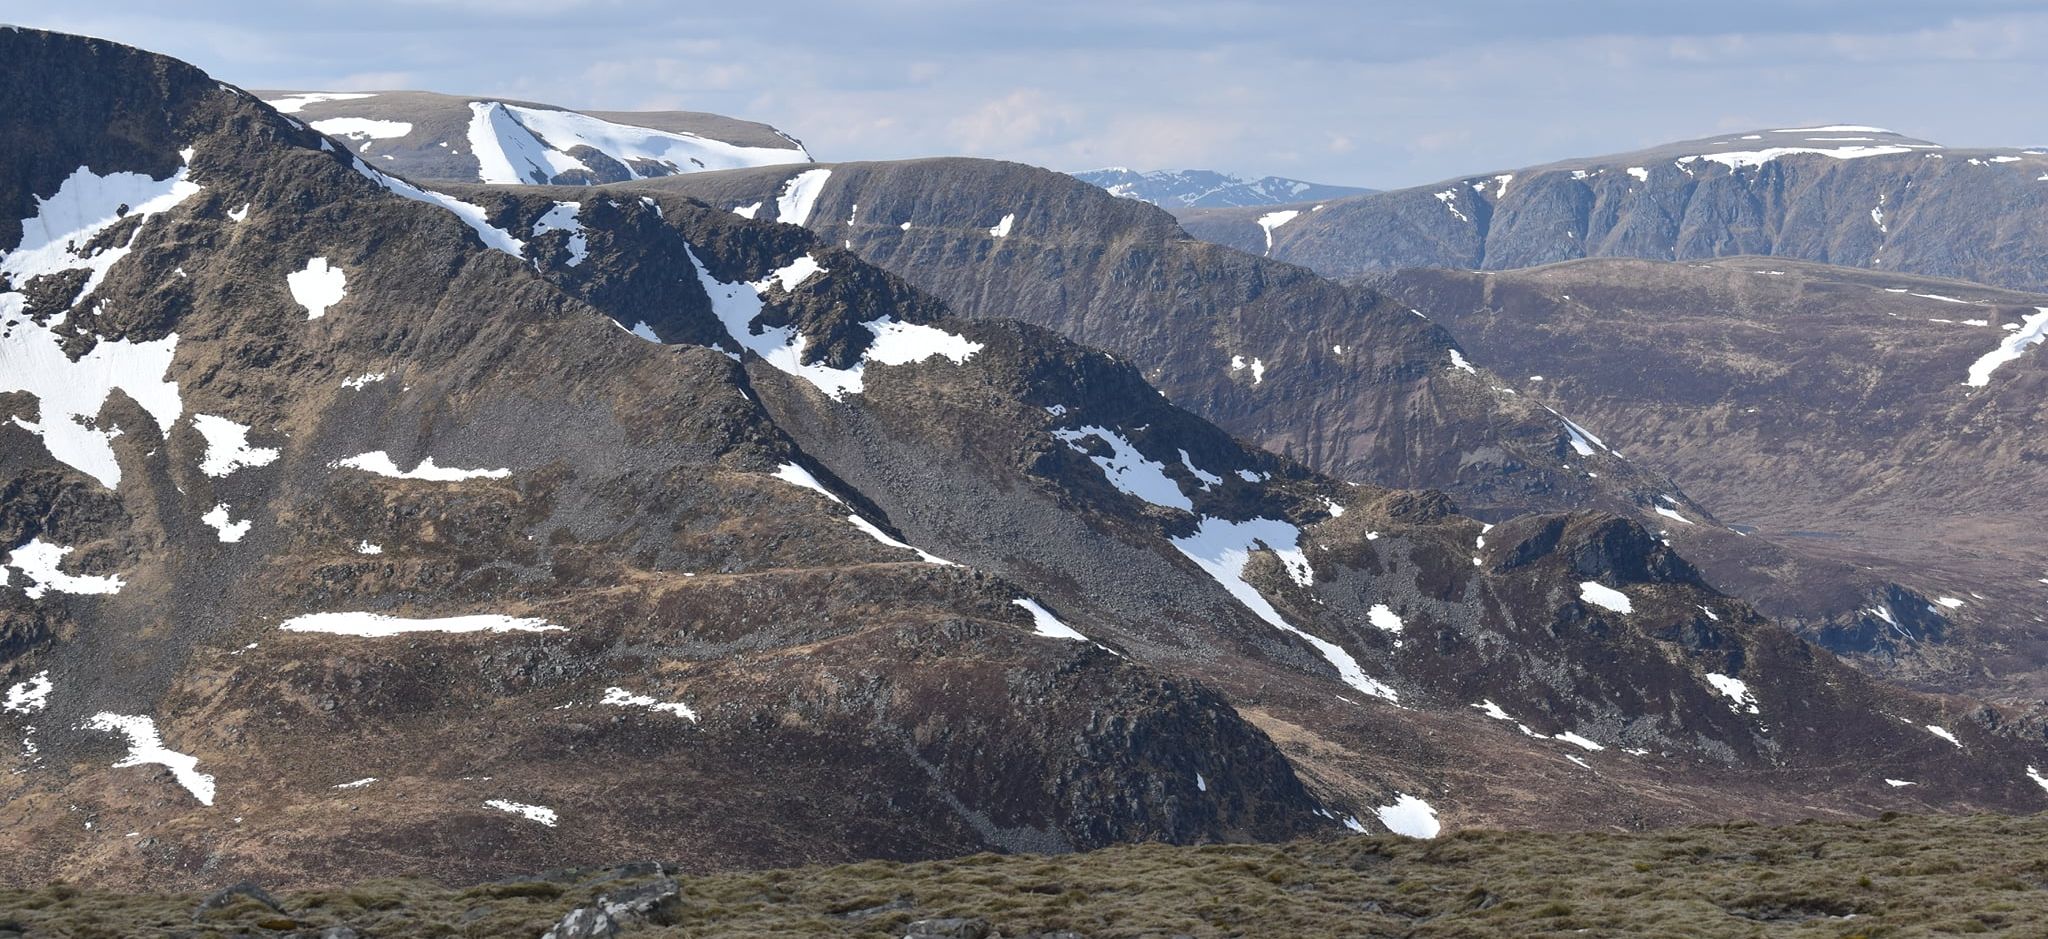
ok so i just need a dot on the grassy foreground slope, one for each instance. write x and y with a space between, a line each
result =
1893 877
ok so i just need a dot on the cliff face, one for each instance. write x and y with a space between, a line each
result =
1854 197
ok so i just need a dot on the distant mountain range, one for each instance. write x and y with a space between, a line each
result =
1182 189
1842 194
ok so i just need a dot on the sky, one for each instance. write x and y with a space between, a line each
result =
1359 93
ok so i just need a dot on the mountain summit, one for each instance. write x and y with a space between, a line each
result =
422 135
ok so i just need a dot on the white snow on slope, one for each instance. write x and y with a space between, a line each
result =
515 144
362 129
293 104
1211 480
1272 220
2035 775
1046 624
39 559
1409 816
145 747
1583 440
738 305
1449 198
357 784
473 216
227 446
2033 330
1578 741
1130 471
28 697
1736 689
798 476
1943 733
1899 783
379 624
1002 229
533 813
32 359
1600 594
747 211
799 194
620 697
904 343
1737 159
1458 362
1385 618
379 462
1672 514
563 218
229 531
1222 548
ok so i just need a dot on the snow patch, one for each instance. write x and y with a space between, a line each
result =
32 358
229 531
1002 229
1458 362
317 287
532 813
1943 733
1127 469
2032 331
562 217
1578 741
377 625
1601 595
1272 220
30 696
1409 816
520 145
1736 690
227 446
39 561
146 747
363 129
379 462
293 104
1222 548
737 305
1046 624
620 697
799 194
473 216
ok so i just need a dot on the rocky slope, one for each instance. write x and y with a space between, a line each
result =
1341 377
1882 420
1844 194
427 136
352 527
1208 189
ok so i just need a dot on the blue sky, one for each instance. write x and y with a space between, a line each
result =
1366 93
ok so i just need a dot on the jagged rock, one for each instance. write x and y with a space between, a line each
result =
243 891
584 923
951 927
656 901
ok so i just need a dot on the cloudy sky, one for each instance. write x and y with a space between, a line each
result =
1367 93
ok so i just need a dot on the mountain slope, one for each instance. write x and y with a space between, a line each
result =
1186 189
1843 194
1883 420
1339 376
354 527
422 135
